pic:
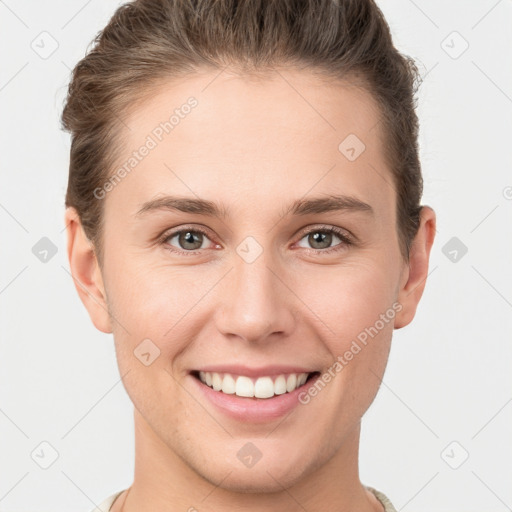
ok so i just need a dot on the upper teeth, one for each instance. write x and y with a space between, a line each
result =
262 387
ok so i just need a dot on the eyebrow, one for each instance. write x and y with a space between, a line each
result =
299 207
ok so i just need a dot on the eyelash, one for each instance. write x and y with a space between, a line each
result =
346 240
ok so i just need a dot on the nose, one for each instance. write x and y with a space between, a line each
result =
255 302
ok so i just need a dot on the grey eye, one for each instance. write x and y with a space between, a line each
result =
320 239
189 240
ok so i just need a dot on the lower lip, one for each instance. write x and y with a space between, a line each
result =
254 410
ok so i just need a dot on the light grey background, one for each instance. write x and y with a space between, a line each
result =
449 374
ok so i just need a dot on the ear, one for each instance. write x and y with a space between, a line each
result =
86 272
414 275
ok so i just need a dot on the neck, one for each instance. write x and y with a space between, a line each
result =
164 482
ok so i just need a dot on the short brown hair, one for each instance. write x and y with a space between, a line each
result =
149 41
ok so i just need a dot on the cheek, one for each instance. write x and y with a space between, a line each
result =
150 300
151 304
162 311
354 309
349 298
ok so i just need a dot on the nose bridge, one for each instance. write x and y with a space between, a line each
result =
254 303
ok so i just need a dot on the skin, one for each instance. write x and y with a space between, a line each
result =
255 146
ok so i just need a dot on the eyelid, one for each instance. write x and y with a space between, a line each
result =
172 232
340 232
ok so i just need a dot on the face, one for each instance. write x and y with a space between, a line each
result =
248 240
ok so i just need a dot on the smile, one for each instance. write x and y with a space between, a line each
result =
252 395
261 387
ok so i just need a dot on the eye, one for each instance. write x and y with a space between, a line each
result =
191 241
188 240
320 239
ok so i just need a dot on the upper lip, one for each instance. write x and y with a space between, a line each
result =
263 371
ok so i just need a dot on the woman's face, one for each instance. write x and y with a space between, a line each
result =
239 275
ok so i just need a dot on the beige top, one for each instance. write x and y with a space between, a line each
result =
388 506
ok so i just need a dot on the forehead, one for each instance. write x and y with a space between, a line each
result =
239 139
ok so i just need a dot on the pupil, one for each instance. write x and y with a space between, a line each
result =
188 238
322 237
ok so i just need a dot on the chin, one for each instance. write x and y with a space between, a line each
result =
254 481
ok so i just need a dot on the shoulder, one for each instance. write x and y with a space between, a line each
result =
386 503
105 505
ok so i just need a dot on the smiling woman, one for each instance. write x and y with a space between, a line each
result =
251 254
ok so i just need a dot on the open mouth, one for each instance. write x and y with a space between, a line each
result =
261 387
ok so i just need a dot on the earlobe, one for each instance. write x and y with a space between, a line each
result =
86 273
415 274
